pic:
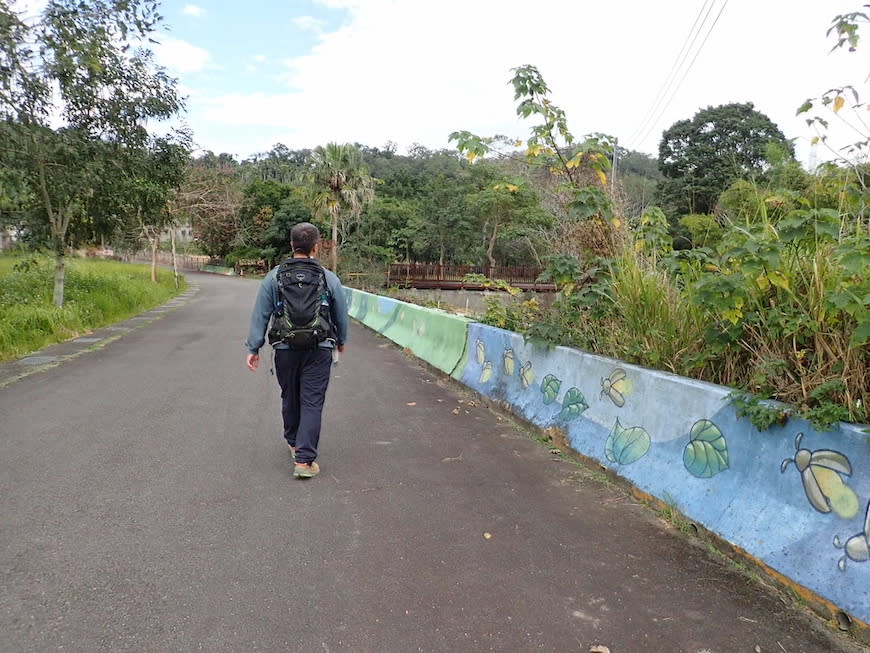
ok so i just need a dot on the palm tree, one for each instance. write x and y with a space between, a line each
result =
340 185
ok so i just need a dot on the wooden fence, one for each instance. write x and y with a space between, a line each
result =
451 277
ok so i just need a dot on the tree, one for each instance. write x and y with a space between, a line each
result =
276 238
339 184
280 164
262 201
570 176
637 175
151 182
701 157
210 198
421 210
83 63
442 225
504 209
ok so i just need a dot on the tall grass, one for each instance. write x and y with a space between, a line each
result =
97 293
796 345
779 312
652 323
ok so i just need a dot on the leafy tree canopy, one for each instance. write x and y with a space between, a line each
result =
86 65
701 157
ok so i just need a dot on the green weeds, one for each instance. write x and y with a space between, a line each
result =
97 293
777 307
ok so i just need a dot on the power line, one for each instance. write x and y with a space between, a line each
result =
675 67
651 125
673 95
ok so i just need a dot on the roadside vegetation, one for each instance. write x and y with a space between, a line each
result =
769 292
98 293
721 259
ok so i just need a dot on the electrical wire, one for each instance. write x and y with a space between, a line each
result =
655 114
678 62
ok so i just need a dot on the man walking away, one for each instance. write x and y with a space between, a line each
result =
305 304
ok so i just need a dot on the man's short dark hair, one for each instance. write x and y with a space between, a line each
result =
303 237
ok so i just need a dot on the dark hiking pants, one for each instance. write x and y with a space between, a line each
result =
303 377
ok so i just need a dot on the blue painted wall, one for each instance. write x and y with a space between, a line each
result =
795 498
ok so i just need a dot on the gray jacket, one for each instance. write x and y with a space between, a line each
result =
267 301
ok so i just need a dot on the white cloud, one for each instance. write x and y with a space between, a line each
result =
193 10
308 24
414 72
181 57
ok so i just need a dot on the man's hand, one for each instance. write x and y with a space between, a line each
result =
340 349
252 361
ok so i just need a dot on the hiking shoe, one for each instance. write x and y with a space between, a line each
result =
306 470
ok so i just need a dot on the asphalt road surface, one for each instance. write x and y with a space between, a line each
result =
148 504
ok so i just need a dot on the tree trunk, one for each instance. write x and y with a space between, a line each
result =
59 276
334 252
154 242
174 260
58 224
491 248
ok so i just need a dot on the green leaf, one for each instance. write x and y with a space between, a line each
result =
861 335
779 280
550 388
573 405
625 446
706 454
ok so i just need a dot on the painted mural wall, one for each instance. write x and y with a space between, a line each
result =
795 498
437 337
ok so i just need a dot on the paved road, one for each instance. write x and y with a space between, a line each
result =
148 505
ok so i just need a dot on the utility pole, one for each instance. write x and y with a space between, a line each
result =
814 156
613 168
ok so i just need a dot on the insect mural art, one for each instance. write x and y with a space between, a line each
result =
485 372
479 351
616 386
857 547
824 486
508 362
527 375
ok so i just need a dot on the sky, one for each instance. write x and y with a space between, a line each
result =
307 72
304 73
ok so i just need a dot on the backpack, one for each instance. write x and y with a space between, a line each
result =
302 319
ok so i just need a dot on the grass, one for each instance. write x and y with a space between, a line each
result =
97 293
654 324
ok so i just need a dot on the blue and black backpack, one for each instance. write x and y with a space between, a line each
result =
302 319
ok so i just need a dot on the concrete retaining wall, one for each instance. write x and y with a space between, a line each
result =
794 498
437 337
217 269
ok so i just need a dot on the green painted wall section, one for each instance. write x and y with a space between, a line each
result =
217 269
437 337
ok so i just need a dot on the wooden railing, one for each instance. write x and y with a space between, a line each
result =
432 275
